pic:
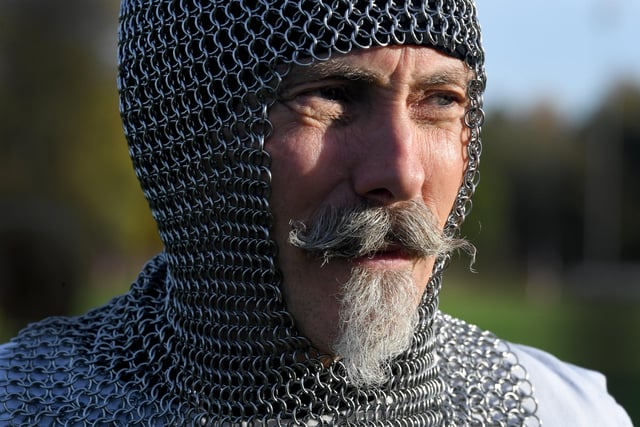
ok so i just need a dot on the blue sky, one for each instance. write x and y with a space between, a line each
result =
566 52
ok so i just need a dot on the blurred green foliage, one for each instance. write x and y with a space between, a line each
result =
62 138
556 195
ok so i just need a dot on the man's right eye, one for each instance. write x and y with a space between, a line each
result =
326 101
334 93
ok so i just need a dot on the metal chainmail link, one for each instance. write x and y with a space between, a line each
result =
204 338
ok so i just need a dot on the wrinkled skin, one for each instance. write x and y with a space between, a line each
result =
383 126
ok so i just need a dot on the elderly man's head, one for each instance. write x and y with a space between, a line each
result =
368 151
302 159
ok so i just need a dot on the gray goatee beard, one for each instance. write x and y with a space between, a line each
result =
377 320
378 312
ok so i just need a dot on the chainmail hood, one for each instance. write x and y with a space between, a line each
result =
204 337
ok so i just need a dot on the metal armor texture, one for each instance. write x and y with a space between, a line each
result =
203 337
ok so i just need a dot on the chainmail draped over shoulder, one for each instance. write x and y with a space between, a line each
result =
204 336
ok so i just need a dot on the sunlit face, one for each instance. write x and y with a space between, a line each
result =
381 125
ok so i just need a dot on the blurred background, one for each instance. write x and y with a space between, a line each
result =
555 218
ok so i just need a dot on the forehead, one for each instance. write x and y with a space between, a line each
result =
382 64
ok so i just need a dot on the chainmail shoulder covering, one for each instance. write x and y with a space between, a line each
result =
110 366
116 366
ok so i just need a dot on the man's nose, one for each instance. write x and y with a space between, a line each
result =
392 162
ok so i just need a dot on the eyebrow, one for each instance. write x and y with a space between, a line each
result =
336 68
449 76
332 68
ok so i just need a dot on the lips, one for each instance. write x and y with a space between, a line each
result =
392 254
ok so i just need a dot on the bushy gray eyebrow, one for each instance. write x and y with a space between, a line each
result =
326 70
335 68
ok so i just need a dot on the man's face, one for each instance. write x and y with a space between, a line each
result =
380 127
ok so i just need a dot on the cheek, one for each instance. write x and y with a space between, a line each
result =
445 163
296 174
293 158
309 164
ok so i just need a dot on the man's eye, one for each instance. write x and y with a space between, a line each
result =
323 101
330 93
439 106
444 99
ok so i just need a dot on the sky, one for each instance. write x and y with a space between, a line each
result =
568 53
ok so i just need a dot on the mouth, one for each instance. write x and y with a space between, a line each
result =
390 256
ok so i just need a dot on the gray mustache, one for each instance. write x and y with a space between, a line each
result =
360 231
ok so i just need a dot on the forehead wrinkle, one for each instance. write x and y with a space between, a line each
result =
339 68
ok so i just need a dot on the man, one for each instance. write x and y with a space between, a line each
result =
309 164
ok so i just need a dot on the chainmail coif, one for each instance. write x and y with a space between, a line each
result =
204 337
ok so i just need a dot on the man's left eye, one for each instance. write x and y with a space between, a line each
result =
439 106
444 99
